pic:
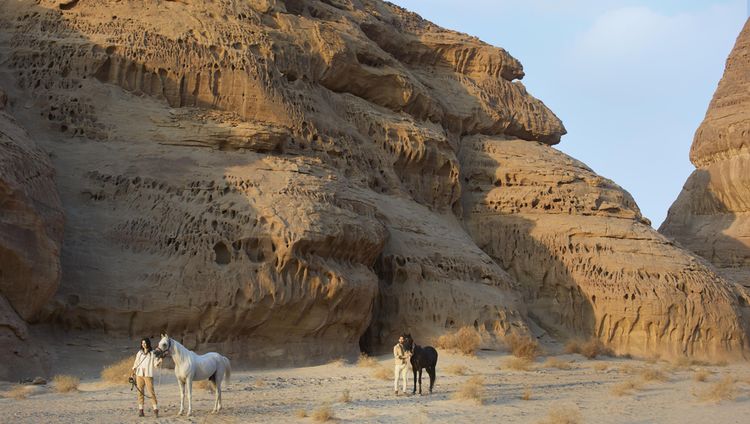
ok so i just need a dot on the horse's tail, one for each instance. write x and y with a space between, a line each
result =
227 369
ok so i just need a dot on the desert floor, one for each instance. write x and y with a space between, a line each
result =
608 390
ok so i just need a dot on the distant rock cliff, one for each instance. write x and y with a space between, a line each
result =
711 216
285 179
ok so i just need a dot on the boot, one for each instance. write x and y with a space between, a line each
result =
156 413
140 413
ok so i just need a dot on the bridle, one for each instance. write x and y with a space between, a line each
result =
163 353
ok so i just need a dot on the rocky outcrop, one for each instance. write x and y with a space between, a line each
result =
586 260
711 216
275 179
30 236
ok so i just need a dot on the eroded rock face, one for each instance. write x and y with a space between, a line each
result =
31 222
277 178
586 261
711 216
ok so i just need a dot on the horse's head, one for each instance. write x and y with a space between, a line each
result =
408 342
164 347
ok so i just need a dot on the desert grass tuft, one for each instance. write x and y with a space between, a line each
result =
345 397
523 346
456 369
563 414
590 349
65 383
701 376
601 366
338 363
118 372
526 395
383 373
723 389
653 374
553 362
466 340
259 383
365 361
300 413
19 392
518 364
323 413
203 385
627 387
472 389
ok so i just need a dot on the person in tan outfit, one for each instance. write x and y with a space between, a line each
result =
401 358
143 370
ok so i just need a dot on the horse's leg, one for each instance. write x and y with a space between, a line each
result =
433 377
182 395
214 382
420 380
189 387
414 370
218 391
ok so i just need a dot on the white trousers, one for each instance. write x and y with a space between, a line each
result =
400 371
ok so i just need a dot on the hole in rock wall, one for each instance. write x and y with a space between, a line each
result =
222 254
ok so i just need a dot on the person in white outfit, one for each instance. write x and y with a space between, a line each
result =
401 357
143 370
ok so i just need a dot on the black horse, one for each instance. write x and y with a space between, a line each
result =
422 358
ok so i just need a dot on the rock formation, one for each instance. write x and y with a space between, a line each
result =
31 226
277 178
587 261
711 216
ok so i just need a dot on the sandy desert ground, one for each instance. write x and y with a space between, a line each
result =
608 390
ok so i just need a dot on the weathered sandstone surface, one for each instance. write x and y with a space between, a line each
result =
711 216
31 223
587 261
283 179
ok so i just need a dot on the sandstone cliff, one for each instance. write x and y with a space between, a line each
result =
278 178
711 215
31 226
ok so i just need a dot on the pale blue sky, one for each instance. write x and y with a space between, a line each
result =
631 80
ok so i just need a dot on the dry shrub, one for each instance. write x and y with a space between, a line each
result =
523 346
563 414
553 362
472 389
456 369
259 383
345 396
653 374
65 383
723 389
627 387
573 346
721 363
701 376
18 392
593 348
600 366
300 413
118 372
526 395
323 413
686 363
338 362
365 361
383 373
203 385
466 340
518 364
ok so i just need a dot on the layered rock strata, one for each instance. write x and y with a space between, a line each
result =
275 179
587 261
711 216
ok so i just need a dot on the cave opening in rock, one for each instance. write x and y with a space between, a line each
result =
222 253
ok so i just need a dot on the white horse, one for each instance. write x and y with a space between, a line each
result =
189 367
